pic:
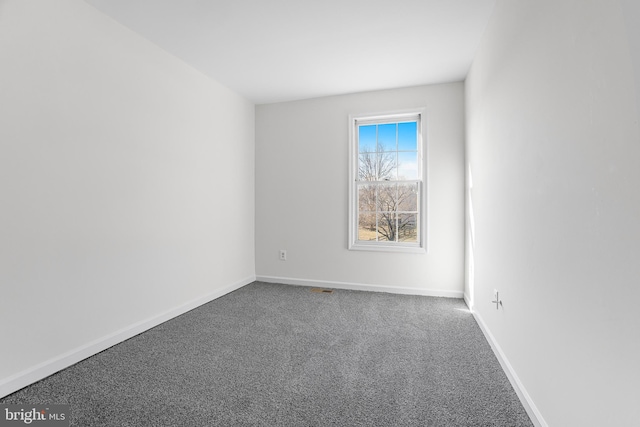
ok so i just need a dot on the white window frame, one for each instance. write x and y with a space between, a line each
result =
386 246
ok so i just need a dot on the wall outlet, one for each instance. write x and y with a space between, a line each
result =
283 255
496 299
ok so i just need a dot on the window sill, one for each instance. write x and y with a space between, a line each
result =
378 247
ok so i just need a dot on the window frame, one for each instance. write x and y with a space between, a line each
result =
381 118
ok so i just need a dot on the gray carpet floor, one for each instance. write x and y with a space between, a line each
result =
278 355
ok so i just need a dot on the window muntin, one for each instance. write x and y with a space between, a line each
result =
387 192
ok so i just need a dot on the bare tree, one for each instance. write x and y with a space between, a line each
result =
380 202
378 165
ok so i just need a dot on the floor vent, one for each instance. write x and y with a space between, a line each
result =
322 291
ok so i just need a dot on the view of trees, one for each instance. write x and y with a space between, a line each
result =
387 208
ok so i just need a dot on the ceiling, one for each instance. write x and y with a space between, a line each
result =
281 50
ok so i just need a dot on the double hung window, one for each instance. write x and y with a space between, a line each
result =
387 188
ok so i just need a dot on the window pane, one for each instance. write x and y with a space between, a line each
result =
386 165
367 226
408 136
408 165
408 197
387 226
367 198
387 182
367 138
387 198
367 166
408 228
387 137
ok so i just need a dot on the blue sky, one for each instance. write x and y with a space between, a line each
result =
386 134
400 137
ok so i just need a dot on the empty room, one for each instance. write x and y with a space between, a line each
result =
313 213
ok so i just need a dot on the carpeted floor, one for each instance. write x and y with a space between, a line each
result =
278 355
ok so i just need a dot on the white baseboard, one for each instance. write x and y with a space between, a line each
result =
525 398
36 373
467 301
360 287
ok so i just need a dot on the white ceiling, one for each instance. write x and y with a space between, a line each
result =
282 50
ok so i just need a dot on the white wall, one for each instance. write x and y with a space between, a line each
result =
126 183
302 193
631 12
554 151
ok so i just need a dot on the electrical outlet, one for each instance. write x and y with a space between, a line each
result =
496 299
283 255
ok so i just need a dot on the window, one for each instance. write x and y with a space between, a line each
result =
387 188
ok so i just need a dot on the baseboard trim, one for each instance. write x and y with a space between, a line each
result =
467 301
525 398
36 373
360 287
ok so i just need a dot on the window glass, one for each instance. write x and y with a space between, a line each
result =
387 183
